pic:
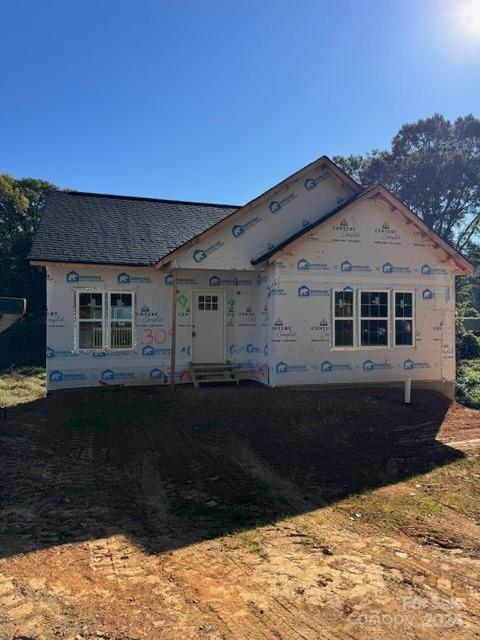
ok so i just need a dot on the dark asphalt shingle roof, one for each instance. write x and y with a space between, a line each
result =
122 230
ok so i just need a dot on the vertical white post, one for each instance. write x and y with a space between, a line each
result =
408 389
174 329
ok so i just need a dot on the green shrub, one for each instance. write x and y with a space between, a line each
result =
468 383
468 346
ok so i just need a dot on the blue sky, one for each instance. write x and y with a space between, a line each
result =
216 100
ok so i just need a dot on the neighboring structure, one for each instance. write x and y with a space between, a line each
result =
316 281
11 310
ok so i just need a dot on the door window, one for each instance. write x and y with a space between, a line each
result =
208 303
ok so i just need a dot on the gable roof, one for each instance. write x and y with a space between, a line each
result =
280 187
462 265
94 228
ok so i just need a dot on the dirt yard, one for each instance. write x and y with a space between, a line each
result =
246 513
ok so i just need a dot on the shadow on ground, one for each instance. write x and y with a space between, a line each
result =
170 468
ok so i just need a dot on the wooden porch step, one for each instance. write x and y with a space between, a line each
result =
212 372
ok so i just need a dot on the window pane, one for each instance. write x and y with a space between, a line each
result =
90 335
121 335
374 333
121 306
90 306
374 304
344 304
403 332
201 306
344 333
403 305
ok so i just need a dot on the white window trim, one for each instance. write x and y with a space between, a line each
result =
333 318
109 320
362 347
412 318
77 324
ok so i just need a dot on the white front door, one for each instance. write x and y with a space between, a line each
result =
208 330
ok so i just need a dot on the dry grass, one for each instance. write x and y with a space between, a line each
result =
453 487
18 386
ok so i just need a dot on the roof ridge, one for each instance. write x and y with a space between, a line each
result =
72 192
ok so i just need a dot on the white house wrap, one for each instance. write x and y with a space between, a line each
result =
315 282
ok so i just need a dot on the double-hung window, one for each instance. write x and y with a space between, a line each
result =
91 309
404 326
374 330
343 319
121 320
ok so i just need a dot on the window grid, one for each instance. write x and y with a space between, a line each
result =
374 319
207 303
121 314
343 319
91 320
404 319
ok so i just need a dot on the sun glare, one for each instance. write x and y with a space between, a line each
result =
469 18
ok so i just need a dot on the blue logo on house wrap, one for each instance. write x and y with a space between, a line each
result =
311 182
410 364
276 291
216 281
199 255
148 351
169 280
370 365
328 367
74 276
156 374
388 267
427 294
53 353
251 348
276 205
234 348
126 278
283 367
62 376
427 270
348 267
304 265
239 229
109 374
305 291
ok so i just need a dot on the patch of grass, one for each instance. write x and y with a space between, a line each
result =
468 383
248 539
456 485
390 511
21 385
